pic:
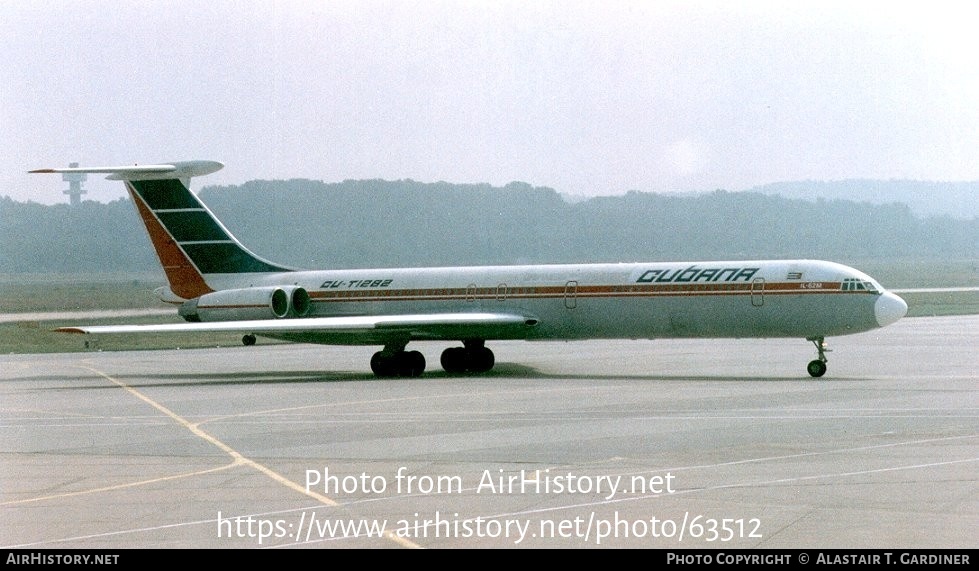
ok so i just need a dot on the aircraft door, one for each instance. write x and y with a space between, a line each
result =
571 294
501 292
758 292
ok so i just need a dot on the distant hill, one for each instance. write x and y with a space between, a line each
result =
409 223
91 237
926 199
377 223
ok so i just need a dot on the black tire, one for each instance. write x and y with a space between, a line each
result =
382 365
816 368
401 364
411 363
248 340
454 360
481 360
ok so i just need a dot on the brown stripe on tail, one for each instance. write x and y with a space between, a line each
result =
183 277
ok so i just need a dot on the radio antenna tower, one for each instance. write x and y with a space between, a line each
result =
74 180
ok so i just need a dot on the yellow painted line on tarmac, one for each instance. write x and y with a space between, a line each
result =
239 459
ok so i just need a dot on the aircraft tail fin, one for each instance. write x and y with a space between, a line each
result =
189 240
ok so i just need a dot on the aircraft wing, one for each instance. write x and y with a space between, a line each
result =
349 329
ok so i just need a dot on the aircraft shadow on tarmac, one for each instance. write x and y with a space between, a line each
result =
501 371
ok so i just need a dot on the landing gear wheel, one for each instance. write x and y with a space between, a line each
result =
473 358
248 340
381 364
398 364
412 364
816 368
454 360
481 360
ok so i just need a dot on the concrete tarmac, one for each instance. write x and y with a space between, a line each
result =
715 444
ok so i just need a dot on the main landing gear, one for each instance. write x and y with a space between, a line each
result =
817 368
473 357
394 361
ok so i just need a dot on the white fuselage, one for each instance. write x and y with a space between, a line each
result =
790 298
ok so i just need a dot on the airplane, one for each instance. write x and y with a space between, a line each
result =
221 286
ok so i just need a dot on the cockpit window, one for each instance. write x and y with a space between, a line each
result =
854 284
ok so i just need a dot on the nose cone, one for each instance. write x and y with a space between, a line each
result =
889 308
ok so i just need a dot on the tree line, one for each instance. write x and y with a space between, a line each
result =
376 223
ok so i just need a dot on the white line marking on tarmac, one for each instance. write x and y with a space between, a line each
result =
121 486
238 458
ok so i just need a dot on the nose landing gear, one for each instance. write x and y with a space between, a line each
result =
817 368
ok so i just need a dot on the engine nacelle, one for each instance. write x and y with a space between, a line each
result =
248 303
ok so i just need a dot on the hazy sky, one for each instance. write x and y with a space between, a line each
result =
584 97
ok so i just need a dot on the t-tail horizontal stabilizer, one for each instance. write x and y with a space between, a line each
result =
182 170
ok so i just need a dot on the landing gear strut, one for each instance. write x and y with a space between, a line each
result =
394 361
817 368
473 357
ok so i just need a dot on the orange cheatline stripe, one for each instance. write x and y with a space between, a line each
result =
552 292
